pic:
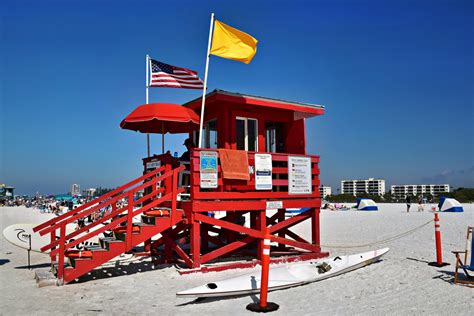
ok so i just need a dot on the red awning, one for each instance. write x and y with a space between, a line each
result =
161 118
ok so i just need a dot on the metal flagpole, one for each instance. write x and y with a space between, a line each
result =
205 80
147 86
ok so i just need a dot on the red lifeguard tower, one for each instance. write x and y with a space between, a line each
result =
252 168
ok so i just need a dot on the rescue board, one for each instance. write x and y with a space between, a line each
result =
286 276
19 235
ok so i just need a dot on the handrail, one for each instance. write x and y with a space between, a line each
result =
62 241
110 225
108 202
105 218
101 198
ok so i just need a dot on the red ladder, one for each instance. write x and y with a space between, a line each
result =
120 221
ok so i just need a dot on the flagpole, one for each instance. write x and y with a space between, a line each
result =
205 80
147 59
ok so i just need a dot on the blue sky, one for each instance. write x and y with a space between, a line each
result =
396 78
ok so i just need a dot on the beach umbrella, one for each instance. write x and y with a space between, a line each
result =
161 118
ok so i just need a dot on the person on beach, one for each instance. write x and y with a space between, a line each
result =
408 201
189 146
186 158
420 205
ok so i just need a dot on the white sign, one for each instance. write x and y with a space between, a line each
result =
208 169
153 164
274 205
263 172
299 175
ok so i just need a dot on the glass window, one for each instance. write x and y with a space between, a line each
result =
211 134
274 140
240 134
247 134
252 135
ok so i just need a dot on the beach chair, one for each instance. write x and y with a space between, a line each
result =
462 264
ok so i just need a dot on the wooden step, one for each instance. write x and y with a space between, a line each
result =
108 241
95 248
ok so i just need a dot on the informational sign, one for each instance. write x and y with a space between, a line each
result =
208 169
263 172
153 164
299 175
274 205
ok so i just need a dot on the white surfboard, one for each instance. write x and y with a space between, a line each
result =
286 276
20 235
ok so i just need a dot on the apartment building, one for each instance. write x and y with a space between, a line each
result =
325 191
75 189
401 191
358 187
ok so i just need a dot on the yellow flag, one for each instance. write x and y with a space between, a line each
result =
231 43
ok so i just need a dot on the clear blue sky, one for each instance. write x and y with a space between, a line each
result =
396 77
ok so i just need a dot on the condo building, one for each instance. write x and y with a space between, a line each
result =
358 187
325 191
75 189
402 190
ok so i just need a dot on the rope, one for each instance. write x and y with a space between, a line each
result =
390 239
383 241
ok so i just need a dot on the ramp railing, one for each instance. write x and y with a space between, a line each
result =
61 241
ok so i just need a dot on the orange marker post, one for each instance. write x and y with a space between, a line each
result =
439 255
263 306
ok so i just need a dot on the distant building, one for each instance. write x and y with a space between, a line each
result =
6 192
325 191
358 187
402 190
75 189
90 192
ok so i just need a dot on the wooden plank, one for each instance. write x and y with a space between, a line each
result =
293 243
248 205
226 249
290 222
251 195
227 225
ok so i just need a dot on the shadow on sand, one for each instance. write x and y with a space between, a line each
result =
35 266
116 268
446 276
3 261
417 260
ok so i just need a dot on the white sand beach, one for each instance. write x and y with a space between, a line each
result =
401 284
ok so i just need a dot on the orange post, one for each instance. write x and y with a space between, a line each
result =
439 255
265 268
264 306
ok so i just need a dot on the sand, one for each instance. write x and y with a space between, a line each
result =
403 283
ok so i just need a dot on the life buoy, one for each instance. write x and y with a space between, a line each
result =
78 254
158 213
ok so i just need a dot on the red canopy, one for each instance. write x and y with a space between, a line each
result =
161 118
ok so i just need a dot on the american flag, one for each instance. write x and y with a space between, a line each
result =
164 75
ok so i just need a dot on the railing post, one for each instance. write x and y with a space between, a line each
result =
129 220
62 245
167 181
52 239
173 195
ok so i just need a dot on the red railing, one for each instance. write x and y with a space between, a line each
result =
169 191
241 189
